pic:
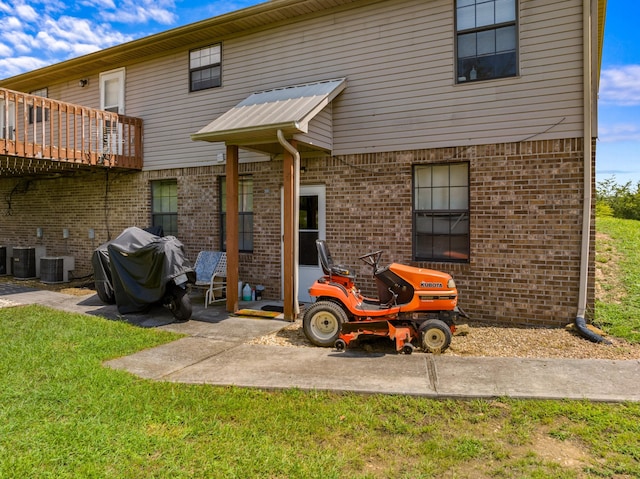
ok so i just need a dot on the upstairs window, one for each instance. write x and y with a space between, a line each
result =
441 212
486 39
205 67
35 115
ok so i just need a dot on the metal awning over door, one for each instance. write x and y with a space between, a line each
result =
284 121
253 123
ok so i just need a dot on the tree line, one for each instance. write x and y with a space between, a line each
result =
619 201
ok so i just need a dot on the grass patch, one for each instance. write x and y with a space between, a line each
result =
618 304
64 415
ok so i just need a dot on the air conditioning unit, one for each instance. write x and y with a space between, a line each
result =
3 260
25 261
9 260
55 269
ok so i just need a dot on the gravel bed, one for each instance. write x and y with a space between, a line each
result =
494 341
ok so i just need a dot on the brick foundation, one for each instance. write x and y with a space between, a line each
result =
525 220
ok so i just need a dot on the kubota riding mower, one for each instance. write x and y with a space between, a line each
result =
415 306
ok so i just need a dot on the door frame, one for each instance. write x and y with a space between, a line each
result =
319 190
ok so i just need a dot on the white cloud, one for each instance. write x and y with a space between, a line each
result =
5 50
26 12
12 23
620 85
619 132
36 33
69 31
143 11
16 65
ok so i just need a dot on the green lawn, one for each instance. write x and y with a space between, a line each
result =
64 415
620 314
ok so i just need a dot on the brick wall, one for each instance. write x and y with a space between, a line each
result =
525 220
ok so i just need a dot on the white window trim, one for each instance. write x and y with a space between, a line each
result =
117 74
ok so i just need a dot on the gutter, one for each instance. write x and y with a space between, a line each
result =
296 214
587 62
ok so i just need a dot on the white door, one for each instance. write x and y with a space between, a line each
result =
111 99
7 119
311 227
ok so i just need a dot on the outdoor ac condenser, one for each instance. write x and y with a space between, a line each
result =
55 269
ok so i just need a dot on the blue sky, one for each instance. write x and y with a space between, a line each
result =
36 33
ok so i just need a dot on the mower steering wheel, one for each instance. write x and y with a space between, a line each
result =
372 259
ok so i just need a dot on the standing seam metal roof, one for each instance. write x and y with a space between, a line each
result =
262 113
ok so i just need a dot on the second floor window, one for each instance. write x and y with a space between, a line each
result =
35 115
205 67
486 39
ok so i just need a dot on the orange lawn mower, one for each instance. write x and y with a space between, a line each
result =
415 306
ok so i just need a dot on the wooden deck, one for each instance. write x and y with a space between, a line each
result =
41 134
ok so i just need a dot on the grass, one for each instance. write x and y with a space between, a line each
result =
618 311
64 415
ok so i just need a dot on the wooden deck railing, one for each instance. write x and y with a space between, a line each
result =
41 128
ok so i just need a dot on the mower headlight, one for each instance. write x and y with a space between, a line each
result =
451 284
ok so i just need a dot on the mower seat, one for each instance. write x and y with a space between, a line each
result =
326 261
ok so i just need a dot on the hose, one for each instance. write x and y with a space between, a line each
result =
581 326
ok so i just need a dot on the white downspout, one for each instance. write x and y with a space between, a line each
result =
296 214
588 153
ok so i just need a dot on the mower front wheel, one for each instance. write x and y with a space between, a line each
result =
436 336
322 323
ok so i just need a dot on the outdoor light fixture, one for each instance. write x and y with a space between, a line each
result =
39 233
83 83
92 233
65 233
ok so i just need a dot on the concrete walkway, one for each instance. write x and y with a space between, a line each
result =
216 351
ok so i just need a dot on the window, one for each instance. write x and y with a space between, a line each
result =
441 212
245 212
205 67
486 36
43 92
309 230
164 206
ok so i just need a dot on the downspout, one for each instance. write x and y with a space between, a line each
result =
296 214
587 62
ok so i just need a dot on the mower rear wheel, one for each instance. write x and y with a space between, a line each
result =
322 323
436 336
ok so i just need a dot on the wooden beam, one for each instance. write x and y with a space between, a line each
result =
233 256
288 188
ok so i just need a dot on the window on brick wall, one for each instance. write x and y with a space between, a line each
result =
441 212
164 206
486 39
245 214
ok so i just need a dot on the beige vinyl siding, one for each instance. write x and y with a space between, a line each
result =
320 130
399 60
